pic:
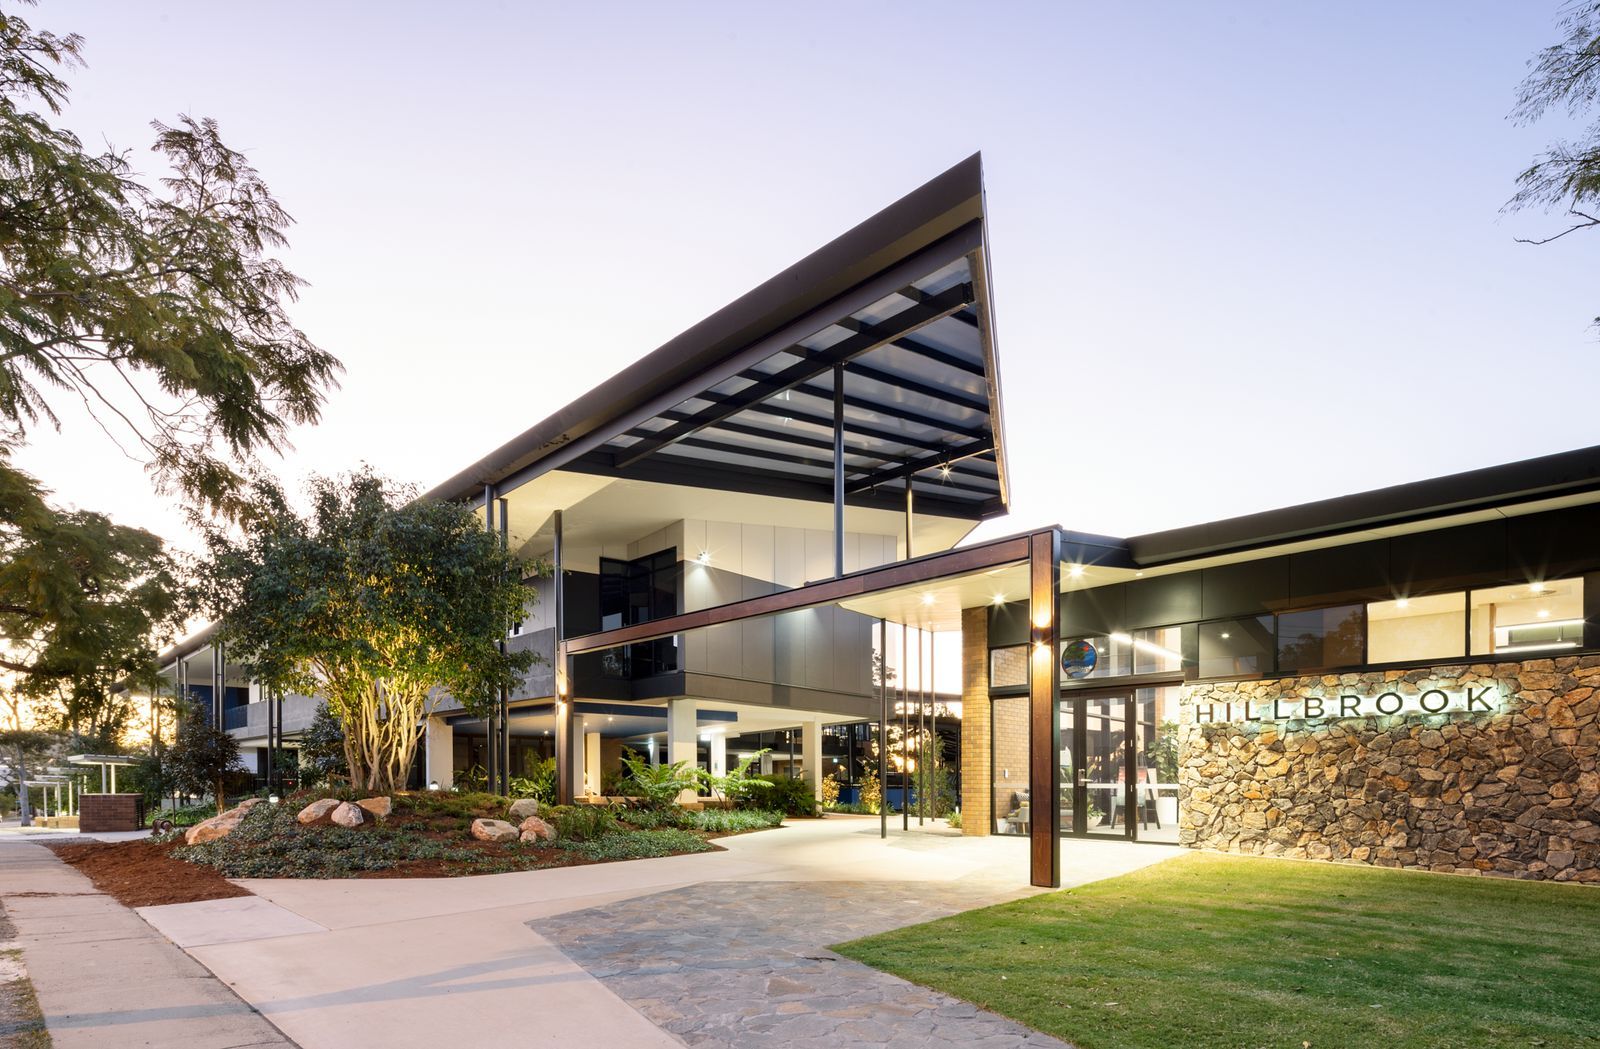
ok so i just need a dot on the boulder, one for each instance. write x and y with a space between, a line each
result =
377 808
348 815
319 812
494 830
213 828
522 808
533 828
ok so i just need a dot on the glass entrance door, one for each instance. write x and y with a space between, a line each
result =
1094 773
1118 775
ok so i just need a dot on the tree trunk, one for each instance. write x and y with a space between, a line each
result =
24 812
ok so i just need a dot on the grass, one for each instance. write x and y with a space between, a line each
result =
1208 951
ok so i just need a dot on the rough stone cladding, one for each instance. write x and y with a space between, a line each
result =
1515 793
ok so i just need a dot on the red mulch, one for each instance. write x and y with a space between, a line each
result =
144 873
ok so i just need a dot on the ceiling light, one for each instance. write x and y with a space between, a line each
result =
944 469
999 599
1535 588
1138 575
1075 571
1402 603
1544 613
704 558
927 599
1226 635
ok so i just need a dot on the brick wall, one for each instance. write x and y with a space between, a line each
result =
110 812
976 798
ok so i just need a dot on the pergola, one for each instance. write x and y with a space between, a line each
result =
105 761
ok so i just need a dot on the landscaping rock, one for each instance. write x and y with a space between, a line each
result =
522 808
348 815
214 828
534 828
494 830
377 808
319 812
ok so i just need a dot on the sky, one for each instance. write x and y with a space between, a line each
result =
1244 255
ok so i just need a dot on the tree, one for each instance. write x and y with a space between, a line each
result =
160 313
1564 76
202 758
83 602
23 746
322 749
376 601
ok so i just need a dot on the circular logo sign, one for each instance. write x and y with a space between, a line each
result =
1078 658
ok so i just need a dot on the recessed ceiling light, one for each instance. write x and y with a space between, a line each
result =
1226 635
1536 588
1544 613
1402 603
944 469
704 558
999 599
927 599
1075 571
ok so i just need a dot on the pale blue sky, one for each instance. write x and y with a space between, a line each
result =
1245 255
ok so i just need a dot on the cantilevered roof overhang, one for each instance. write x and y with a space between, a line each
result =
897 309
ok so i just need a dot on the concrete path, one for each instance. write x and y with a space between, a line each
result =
430 962
104 977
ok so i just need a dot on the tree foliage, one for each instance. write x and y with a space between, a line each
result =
158 311
322 749
1564 77
375 601
83 603
202 758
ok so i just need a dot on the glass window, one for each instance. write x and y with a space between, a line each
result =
1013 808
1528 617
1432 627
1233 647
1008 667
1322 637
1103 656
1158 651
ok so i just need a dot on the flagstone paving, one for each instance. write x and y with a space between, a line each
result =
746 964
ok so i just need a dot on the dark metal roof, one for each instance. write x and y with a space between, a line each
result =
1549 476
744 399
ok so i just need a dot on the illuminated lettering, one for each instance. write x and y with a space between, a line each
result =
1398 703
1443 701
1311 711
1348 705
1476 698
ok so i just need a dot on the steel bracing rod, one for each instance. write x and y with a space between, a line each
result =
932 462
864 479
814 363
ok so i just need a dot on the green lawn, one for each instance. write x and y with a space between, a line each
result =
1206 951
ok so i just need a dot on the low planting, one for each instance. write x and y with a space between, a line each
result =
427 834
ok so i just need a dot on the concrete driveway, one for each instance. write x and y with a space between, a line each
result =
731 942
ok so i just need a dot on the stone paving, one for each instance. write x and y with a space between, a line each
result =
745 964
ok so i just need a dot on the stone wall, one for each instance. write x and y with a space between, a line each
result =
1514 793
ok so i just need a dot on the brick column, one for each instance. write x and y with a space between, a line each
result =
976 789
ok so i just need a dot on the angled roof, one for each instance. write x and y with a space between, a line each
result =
745 399
1529 483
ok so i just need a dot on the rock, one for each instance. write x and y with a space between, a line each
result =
494 830
522 808
319 812
377 808
214 828
538 828
348 815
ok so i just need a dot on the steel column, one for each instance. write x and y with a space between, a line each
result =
504 713
910 506
838 470
564 724
922 733
905 730
1044 722
883 728
491 746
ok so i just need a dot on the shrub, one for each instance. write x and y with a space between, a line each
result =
539 783
830 791
954 819
636 845
658 785
733 821
793 797
871 793
270 843
581 822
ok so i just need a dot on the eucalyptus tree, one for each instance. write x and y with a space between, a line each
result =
376 601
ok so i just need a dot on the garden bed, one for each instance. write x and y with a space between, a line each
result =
426 836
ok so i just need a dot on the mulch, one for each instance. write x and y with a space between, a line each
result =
145 873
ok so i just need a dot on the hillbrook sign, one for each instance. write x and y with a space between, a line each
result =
1482 699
